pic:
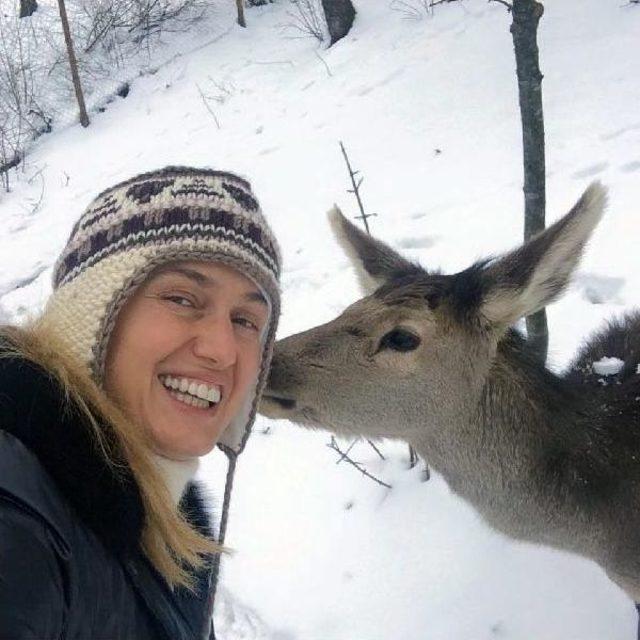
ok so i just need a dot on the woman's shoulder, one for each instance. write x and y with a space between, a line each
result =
25 387
33 585
37 412
28 493
31 403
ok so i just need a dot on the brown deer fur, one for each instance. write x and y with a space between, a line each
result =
431 359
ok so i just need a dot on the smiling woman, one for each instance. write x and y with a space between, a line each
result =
185 353
152 349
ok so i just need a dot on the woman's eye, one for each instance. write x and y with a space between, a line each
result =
246 323
181 301
399 339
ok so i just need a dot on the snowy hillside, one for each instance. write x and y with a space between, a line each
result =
428 112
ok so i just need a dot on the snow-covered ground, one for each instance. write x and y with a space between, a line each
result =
428 112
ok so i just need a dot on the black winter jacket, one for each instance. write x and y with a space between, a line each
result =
70 560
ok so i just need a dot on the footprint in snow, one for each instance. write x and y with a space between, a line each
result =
20 226
600 289
392 76
422 242
620 132
630 167
590 171
364 91
20 283
5 316
232 619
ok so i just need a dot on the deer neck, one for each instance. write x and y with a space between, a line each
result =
500 456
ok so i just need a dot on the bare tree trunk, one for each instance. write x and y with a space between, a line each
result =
339 15
73 63
240 5
27 8
524 30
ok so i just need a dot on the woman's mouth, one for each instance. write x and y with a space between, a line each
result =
194 393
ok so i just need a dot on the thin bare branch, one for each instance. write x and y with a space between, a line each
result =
356 190
353 444
505 3
373 446
205 101
324 62
334 445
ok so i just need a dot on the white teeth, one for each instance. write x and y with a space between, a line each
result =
190 400
202 392
191 392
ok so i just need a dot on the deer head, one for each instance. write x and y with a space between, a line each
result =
412 357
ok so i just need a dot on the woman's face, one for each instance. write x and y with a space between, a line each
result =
185 353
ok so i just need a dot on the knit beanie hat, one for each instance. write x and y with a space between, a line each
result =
176 213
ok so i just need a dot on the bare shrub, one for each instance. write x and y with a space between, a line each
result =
111 23
306 19
21 115
417 9
35 87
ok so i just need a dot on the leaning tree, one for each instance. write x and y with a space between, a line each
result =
73 64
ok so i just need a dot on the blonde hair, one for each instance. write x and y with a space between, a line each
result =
173 546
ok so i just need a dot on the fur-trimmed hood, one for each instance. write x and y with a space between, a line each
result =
53 469
36 410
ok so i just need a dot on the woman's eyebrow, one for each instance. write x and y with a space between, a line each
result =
255 296
205 281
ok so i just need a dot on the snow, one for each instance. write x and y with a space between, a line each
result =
321 552
608 366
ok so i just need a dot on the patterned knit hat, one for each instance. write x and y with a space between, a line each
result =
176 213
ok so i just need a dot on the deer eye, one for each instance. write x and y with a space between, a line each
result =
399 340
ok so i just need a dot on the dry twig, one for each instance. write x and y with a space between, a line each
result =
505 3
205 101
324 62
343 456
356 190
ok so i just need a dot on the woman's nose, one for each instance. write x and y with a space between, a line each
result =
215 340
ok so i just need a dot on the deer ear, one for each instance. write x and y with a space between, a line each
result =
374 261
527 279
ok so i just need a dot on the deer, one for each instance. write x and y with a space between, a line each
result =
435 360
